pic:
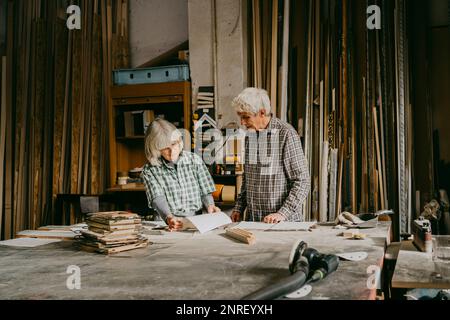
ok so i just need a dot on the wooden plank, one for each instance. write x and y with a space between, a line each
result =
37 175
323 205
332 187
61 37
339 185
274 57
2 136
326 98
46 206
285 63
96 110
107 36
9 119
381 141
378 155
354 137
65 155
87 104
17 112
344 77
309 103
364 177
76 111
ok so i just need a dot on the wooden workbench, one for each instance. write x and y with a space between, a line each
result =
187 266
416 270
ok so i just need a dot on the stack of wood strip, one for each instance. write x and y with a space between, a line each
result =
112 232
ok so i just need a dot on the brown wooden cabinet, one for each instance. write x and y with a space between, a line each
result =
171 100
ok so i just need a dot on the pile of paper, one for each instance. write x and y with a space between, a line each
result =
113 232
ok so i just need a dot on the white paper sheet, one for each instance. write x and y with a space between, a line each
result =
292 226
249 225
208 222
282 226
27 242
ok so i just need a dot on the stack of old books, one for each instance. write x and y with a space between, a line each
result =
112 232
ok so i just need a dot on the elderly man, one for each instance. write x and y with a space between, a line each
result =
276 179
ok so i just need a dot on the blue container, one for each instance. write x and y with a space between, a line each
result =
151 75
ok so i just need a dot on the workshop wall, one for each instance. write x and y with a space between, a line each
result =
155 27
218 51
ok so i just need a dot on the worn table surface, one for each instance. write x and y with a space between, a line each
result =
415 269
187 266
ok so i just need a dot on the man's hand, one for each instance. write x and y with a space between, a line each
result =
213 209
236 216
174 224
274 218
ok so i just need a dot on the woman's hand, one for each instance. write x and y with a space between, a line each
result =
174 224
213 209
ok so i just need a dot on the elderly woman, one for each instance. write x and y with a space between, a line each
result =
177 182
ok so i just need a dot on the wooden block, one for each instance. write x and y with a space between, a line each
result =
355 234
241 235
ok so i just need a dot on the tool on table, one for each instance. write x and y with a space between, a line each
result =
422 235
306 265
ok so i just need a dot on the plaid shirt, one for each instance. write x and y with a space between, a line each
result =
183 186
276 177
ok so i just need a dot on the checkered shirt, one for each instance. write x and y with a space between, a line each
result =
183 187
276 177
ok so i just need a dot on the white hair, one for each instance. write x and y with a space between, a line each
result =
160 135
252 100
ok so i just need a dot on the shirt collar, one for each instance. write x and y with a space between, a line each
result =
171 165
272 123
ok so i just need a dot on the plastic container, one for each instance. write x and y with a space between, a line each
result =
151 75
441 249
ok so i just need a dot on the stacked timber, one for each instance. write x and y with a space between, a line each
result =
112 232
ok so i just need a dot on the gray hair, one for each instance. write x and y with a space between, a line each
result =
160 135
252 100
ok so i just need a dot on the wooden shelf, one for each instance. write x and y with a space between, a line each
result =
127 188
130 138
127 153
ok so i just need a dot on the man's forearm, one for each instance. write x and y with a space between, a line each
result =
241 203
296 197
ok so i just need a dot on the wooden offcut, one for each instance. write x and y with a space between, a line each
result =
241 235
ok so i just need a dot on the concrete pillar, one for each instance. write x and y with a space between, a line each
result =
201 27
231 56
